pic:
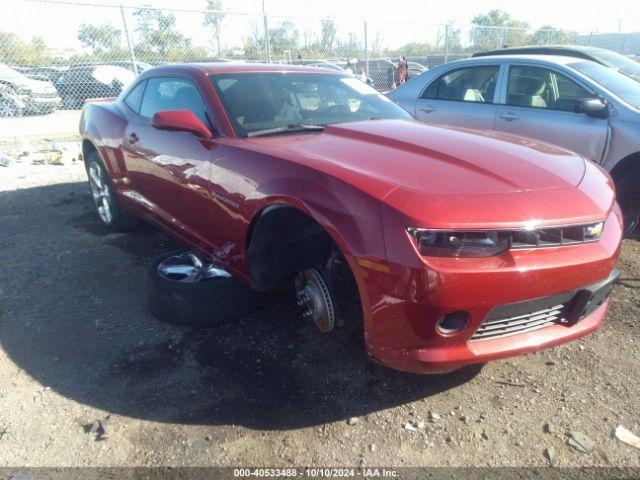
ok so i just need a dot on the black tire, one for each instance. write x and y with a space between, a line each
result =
208 303
119 220
628 187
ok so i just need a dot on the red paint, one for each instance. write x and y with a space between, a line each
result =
366 183
180 121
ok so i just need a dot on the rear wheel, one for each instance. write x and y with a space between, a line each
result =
104 199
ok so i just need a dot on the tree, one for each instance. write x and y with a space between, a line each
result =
99 37
284 38
159 34
517 33
327 34
548 35
213 20
454 44
352 47
15 51
496 29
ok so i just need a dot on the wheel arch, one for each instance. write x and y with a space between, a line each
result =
350 218
293 215
625 165
88 147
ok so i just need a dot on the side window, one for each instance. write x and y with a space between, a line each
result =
473 84
135 96
542 88
172 94
569 93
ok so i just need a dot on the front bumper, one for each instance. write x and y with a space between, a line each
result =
403 305
586 307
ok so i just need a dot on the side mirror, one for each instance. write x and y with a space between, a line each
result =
180 121
593 107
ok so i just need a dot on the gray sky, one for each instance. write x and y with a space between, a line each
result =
58 24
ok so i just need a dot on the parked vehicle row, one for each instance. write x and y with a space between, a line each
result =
452 245
608 58
20 95
41 90
578 104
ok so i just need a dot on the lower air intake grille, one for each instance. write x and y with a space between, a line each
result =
503 327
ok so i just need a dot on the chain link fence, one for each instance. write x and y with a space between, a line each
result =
100 48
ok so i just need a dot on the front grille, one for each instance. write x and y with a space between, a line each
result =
564 308
552 237
503 327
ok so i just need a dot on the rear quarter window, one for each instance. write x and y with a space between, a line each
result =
135 97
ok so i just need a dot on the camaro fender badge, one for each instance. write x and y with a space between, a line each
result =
225 200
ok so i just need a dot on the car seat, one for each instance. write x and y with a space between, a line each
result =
527 92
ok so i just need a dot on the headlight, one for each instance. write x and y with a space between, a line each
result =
452 243
486 243
593 231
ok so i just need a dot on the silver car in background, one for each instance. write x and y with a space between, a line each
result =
574 103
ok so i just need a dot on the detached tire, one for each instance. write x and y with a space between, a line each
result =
182 295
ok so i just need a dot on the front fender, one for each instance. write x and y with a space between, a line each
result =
351 218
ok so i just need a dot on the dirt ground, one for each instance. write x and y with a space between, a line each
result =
89 378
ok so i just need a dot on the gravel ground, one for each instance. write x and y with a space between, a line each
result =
89 378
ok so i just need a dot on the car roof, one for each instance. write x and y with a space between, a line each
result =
228 67
539 58
567 48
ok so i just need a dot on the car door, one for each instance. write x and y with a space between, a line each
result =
169 170
539 102
463 96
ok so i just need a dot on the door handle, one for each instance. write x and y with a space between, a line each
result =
509 116
132 138
428 109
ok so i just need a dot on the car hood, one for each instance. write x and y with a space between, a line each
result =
417 168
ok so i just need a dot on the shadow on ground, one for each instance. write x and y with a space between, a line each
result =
73 316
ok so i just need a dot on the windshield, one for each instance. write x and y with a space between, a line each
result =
620 85
274 100
619 62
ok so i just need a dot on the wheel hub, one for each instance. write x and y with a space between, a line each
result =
313 295
187 267
100 192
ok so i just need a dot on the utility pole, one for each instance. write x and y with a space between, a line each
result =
366 49
267 40
126 34
446 42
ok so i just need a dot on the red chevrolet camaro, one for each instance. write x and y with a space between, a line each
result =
458 246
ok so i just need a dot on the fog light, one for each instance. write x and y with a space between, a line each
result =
453 322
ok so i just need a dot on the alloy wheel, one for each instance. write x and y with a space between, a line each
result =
100 192
186 267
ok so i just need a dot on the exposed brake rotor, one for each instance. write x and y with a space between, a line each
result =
312 293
